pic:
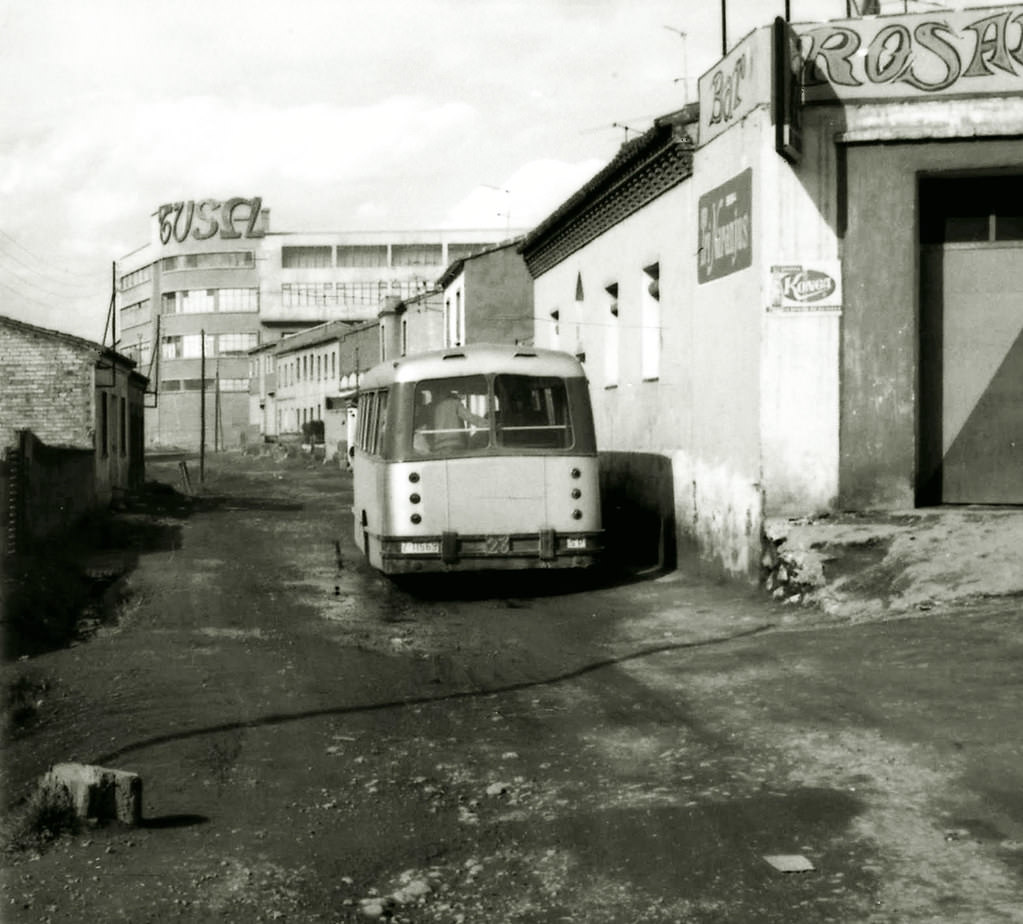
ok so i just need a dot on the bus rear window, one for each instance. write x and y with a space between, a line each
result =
532 412
452 415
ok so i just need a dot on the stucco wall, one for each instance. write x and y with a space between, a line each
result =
701 412
799 382
499 290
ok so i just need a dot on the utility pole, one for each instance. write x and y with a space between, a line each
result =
218 443
202 406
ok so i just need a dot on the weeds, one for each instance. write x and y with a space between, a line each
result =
22 699
46 815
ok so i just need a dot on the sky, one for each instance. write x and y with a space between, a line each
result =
340 114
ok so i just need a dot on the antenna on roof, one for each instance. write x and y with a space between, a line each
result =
624 126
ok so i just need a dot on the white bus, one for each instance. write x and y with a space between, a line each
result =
476 458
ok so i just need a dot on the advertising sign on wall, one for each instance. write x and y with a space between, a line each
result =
946 52
813 286
725 232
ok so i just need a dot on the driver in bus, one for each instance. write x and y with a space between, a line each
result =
450 419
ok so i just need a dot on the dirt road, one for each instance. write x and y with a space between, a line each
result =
318 744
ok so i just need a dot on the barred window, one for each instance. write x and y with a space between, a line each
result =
303 294
306 257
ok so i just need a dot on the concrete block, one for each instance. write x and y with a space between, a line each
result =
98 792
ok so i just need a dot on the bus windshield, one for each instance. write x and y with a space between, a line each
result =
470 413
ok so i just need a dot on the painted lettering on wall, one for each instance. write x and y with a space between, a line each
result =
735 85
726 217
913 55
231 219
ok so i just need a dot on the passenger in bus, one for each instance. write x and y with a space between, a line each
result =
521 422
422 423
450 421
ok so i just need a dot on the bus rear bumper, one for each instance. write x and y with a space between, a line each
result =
454 552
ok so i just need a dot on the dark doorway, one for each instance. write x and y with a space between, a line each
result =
971 340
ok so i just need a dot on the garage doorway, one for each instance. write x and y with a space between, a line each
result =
971 340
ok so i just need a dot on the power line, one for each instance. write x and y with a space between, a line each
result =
82 293
46 277
46 261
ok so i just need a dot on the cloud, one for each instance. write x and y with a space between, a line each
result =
525 198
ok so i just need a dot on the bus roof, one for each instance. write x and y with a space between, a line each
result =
475 359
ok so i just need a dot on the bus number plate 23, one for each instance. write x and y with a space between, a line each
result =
498 545
420 548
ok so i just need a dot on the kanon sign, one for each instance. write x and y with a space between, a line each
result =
206 218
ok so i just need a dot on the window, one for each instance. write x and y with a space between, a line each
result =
137 277
104 435
459 320
236 343
417 255
124 427
650 348
238 300
136 313
234 384
226 260
451 415
611 331
312 257
171 348
532 412
303 294
333 365
362 255
187 346
971 209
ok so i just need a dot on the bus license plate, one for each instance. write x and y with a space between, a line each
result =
420 548
575 544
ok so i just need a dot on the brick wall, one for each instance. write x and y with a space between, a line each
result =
46 386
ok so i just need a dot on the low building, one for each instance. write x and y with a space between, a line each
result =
488 298
804 298
71 427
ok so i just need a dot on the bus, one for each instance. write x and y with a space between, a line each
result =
476 458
